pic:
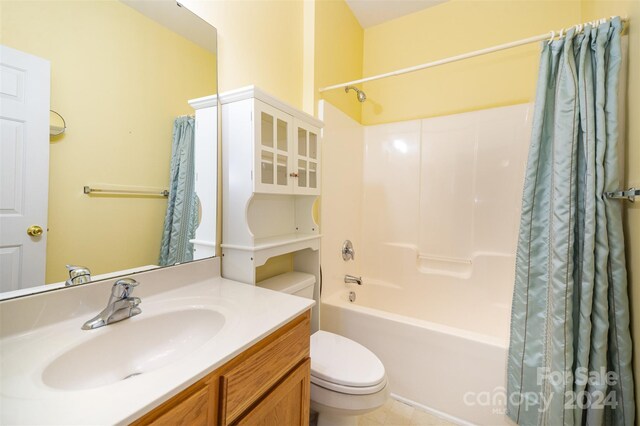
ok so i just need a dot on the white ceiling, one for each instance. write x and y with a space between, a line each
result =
374 12
178 19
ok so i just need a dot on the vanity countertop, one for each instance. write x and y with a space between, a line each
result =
250 314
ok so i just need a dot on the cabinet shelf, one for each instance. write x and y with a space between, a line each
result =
265 248
274 242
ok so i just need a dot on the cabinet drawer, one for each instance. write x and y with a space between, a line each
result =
254 376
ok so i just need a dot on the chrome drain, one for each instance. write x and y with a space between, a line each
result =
352 296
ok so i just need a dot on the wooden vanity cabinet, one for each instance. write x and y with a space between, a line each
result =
268 384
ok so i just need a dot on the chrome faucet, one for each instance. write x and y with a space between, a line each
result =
121 305
78 275
352 279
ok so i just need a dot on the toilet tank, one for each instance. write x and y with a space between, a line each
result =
296 283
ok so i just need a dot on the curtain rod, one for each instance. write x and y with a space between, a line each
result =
547 36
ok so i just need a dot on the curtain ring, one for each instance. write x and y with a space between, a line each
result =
553 35
561 33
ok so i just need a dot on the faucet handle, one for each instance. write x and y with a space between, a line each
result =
348 252
123 288
78 275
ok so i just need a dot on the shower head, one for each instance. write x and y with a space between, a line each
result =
361 96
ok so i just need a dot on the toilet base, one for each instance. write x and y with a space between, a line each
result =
331 419
336 409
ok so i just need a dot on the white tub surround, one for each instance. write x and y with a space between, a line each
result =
35 330
432 207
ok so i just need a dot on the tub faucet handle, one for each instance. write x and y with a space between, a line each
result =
348 253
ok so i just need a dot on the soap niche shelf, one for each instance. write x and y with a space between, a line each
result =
271 166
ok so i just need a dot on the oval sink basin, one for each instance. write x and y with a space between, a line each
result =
131 347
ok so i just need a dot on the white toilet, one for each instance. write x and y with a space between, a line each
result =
347 379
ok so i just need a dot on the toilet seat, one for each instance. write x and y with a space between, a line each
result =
342 365
350 390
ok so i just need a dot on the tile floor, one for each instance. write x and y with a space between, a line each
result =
396 413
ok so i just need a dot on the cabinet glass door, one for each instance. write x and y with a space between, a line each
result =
273 146
266 149
307 160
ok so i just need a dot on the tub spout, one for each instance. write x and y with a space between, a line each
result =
352 279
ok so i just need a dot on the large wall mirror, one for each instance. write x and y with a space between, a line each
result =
119 76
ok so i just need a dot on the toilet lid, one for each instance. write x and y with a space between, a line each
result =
341 361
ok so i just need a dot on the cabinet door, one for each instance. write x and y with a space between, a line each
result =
307 159
273 148
193 407
287 404
252 378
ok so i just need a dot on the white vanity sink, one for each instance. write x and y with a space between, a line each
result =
132 347
192 322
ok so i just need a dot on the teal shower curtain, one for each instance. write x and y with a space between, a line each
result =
569 357
181 219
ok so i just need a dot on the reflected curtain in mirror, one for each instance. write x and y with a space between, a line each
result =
181 220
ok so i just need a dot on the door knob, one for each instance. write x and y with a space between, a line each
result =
34 230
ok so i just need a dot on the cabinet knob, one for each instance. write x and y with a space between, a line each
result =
293 174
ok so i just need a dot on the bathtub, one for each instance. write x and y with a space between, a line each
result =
452 365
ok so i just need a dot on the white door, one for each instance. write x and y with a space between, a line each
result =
24 167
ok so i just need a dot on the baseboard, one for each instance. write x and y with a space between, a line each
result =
433 411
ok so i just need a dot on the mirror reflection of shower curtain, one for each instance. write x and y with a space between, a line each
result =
181 219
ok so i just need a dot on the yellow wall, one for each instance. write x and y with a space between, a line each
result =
452 28
275 266
108 140
260 42
598 9
339 49
263 43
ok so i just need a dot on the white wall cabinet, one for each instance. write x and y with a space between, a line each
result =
286 152
271 179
